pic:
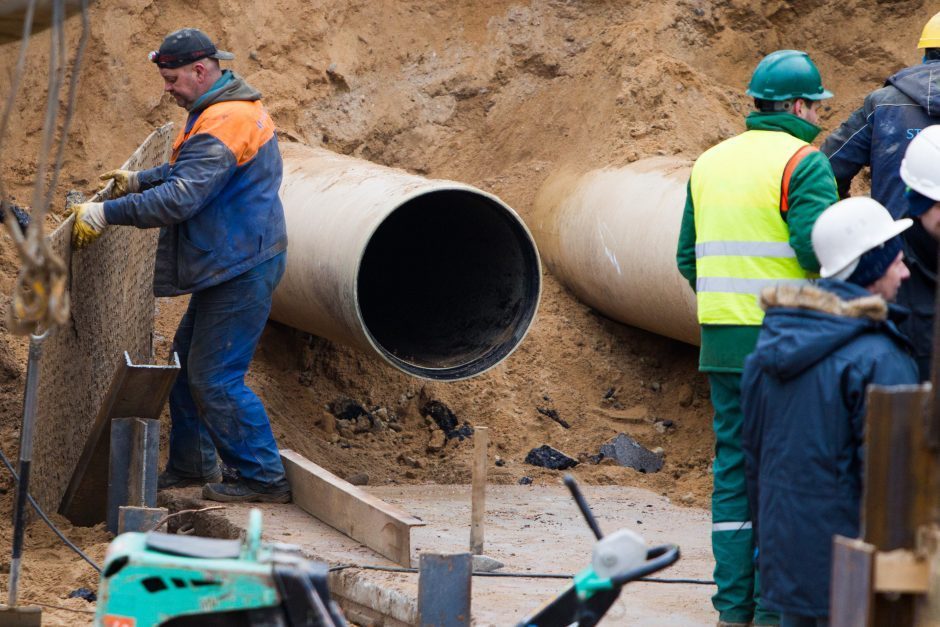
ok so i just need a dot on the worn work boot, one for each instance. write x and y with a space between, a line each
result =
169 479
241 492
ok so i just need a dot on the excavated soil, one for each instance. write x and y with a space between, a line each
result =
498 94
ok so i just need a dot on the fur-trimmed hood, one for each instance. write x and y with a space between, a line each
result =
813 298
804 325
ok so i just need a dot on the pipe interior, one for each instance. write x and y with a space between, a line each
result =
449 284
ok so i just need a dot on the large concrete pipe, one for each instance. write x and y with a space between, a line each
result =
440 279
610 236
13 13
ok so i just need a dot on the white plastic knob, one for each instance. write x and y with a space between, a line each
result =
618 553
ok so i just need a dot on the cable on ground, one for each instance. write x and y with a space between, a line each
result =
57 607
400 569
42 514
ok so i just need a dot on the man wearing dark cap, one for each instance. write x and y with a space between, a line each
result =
222 240
803 394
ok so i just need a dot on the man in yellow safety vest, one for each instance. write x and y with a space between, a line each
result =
752 202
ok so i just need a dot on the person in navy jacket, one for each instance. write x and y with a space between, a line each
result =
803 397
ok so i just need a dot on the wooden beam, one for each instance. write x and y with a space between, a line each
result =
900 571
384 528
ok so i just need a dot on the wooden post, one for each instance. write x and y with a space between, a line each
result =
481 441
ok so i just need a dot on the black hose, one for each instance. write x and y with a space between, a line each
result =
399 569
42 514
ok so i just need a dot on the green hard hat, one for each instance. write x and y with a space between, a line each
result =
785 75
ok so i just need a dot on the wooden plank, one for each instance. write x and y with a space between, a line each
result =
851 596
900 571
384 528
137 391
481 442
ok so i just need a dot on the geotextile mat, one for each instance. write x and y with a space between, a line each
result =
111 288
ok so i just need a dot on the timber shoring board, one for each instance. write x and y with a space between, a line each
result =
384 528
111 289
137 391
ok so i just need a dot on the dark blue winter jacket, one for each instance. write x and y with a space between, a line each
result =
217 198
877 134
803 397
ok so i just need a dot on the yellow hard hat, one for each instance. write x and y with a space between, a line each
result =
930 38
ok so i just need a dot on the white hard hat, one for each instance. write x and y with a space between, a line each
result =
920 168
849 229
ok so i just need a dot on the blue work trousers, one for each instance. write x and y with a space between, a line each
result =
211 408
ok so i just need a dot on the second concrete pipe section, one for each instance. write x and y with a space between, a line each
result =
440 279
610 236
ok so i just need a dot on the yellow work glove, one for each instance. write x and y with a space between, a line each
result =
125 182
89 223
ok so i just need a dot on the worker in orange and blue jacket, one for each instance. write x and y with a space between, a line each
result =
223 240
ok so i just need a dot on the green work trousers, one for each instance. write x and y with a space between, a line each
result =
738 597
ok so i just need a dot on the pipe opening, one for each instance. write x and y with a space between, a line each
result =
449 284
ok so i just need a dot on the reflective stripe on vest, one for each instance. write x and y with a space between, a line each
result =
742 242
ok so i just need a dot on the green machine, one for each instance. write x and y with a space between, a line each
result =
158 579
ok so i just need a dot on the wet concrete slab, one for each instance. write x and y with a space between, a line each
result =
531 529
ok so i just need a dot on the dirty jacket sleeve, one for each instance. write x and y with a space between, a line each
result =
812 191
685 252
849 146
201 170
153 176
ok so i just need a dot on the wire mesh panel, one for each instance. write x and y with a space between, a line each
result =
112 312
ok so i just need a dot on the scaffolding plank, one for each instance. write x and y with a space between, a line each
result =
384 528
137 391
